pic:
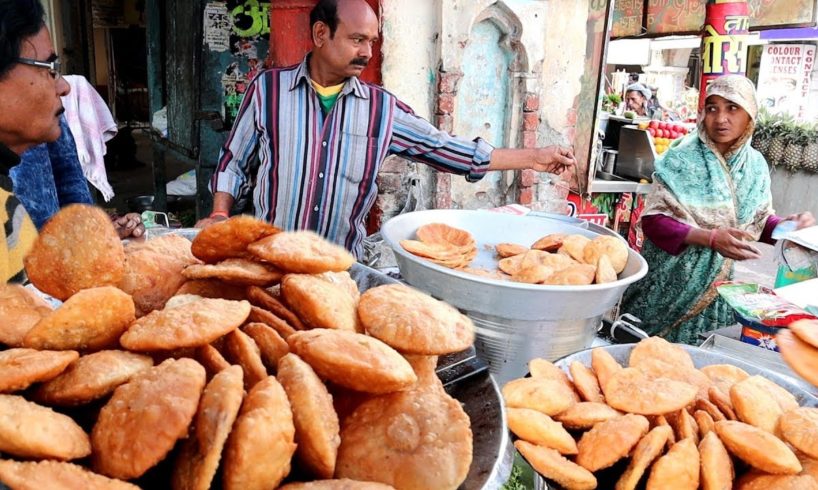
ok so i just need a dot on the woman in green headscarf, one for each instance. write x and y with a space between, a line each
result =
710 200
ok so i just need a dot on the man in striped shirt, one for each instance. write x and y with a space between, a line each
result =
319 135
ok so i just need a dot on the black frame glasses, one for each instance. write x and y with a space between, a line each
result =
53 67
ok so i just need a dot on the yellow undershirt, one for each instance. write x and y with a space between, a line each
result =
327 95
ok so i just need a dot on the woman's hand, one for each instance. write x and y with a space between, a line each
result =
129 226
734 243
803 220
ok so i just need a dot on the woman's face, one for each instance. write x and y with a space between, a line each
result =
724 121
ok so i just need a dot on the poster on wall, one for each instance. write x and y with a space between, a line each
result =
627 18
687 16
784 78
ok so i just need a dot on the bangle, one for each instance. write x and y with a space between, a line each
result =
712 237
219 213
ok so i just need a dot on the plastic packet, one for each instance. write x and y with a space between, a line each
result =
760 305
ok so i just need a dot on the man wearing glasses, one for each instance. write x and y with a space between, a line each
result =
30 109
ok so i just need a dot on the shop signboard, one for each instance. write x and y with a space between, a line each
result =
724 42
687 16
784 78
627 18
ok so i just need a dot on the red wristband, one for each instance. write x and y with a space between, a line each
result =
713 236
219 213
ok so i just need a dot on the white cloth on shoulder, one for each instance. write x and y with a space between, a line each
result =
92 124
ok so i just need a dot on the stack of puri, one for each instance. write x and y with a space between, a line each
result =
661 423
798 345
443 244
564 260
246 359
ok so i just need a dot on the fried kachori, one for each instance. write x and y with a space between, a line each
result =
302 252
230 238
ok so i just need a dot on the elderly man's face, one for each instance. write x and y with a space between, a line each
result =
347 52
635 101
30 105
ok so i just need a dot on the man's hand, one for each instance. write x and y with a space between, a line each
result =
803 220
734 244
555 160
205 222
129 226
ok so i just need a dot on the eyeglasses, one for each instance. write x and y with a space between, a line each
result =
53 67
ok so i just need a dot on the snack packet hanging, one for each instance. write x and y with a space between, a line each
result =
760 305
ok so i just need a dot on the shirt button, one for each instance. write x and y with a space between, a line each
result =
324 143
315 208
321 175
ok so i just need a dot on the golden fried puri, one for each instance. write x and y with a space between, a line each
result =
757 447
212 288
543 368
724 376
414 322
241 272
261 445
55 475
604 366
145 417
414 440
342 484
538 428
552 465
20 309
302 252
756 480
353 360
679 468
271 345
317 427
547 395
92 319
242 350
657 348
609 441
586 383
509 249
212 360
648 449
801 356
319 303
631 390
549 243
191 325
91 377
605 272
199 456
704 421
260 315
77 249
717 471
799 427
615 249
153 271
28 430
573 275
754 406
20 367
585 415
230 238
574 246
806 330
266 300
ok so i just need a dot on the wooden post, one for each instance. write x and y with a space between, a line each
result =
724 41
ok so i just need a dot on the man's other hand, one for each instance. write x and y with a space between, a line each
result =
555 160
205 222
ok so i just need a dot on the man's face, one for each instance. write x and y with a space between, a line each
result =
347 53
635 101
30 105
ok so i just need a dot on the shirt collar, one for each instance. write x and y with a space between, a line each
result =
352 85
8 159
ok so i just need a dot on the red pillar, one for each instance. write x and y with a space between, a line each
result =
724 41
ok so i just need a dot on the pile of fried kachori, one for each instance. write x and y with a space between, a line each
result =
247 356
661 423
556 259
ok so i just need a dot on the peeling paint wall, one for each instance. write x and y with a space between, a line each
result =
423 52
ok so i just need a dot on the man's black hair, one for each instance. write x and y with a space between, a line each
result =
325 11
19 20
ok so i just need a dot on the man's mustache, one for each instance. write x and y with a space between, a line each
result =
360 62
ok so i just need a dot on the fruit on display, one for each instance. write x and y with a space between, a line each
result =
662 133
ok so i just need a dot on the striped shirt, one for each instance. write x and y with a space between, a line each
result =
307 171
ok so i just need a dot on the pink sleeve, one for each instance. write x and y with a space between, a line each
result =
767 234
667 233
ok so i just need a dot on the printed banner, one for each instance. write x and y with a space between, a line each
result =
784 78
724 42
687 16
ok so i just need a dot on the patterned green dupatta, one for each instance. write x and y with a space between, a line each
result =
696 185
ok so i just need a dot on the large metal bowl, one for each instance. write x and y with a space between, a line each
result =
514 321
